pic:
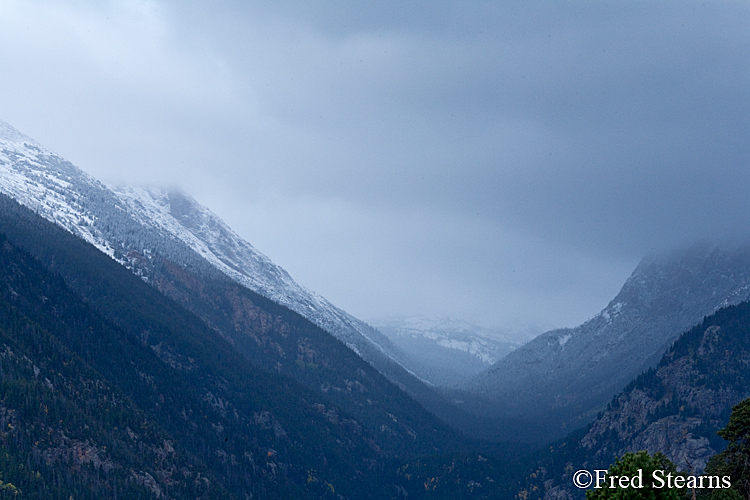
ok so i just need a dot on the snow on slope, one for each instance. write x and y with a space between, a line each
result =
486 345
447 351
150 221
198 227
37 178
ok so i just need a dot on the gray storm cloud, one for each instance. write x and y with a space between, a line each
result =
504 162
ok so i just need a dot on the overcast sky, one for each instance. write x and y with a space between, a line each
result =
503 162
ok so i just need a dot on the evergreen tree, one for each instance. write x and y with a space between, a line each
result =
642 465
735 460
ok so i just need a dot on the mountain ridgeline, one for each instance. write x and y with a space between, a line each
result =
100 385
128 375
137 227
147 351
560 380
445 351
674 408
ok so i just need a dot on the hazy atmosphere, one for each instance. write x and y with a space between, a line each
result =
507 163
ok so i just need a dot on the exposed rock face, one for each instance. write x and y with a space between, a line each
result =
570 374
675 408
685 394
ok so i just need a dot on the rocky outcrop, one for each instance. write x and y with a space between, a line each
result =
687 397
675 408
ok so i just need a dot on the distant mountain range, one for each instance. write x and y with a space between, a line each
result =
561 379
447 351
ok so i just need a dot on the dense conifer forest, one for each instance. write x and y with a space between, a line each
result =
110 389
187 385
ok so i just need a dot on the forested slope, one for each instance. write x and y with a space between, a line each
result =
179 391
675 408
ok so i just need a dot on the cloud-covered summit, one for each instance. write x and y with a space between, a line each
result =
502 162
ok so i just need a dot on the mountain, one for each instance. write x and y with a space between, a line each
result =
180 216
107 384
446 351
179 247
140 228
674 408
125 389
164 246
566 376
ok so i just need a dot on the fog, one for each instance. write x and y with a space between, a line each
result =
507 163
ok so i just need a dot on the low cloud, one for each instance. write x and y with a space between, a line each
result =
509 163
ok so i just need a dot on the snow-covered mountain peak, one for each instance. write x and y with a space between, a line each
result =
455 329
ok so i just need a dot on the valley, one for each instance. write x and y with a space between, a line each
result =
147 350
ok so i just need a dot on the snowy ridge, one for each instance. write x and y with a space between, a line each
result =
447 351
62 193
182 217
486 345
131 225
39 179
